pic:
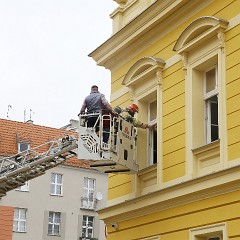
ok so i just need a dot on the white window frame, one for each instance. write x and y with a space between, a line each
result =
54 220
151 136
207 98
209 232
24 188
87 226
89 191
55 185
20 220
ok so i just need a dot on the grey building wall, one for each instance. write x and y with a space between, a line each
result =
39 202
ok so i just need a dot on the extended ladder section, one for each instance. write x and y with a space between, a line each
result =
113 146
17 169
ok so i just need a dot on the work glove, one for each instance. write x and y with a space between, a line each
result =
152 126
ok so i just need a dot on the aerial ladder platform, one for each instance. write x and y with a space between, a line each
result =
117 155
17 169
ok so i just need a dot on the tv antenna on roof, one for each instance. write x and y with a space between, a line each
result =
9 106
31 111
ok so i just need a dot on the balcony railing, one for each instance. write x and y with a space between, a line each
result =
87 238
88 203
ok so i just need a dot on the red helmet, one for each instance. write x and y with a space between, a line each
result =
133 107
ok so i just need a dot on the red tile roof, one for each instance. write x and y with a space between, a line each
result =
35 135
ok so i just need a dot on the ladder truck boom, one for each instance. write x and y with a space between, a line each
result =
117 155
17 169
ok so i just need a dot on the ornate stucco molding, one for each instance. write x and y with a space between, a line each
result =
144 70
199 31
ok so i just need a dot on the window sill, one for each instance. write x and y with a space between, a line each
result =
55 195
147 169
207 157
148 179
206 147
18 190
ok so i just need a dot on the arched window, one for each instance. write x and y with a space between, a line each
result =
144 81
202 47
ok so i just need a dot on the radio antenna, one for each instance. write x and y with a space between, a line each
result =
9 107
31 111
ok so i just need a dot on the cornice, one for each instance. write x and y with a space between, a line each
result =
197 189
126 41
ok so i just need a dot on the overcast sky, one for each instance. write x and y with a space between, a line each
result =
44 63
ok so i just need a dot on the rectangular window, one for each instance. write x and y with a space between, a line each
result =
211 104
210 232
20 220
89 192
87 226
24 188
22 146
54 223
152 133
56 184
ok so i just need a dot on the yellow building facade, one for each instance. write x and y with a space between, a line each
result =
179 61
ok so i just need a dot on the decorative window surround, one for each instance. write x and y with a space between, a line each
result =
143 70
201 45
200 31
144 81
54 223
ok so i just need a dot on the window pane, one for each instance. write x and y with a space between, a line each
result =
58 189
22 226
214 120
84 232
210 80
50 228
91 196
91 183
154 146
16 213
85 193
23 147
85 182
59 178
57 218
90 219
90 233
57 229
50 217
153 111
22 214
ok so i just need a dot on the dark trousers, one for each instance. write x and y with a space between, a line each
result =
91 121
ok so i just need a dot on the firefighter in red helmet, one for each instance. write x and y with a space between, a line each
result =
128 115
